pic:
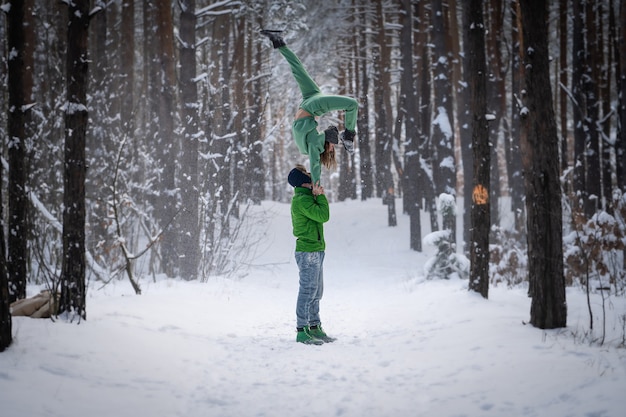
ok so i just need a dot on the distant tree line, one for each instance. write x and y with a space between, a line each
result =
144 128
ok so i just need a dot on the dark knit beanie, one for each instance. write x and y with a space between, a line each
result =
297 178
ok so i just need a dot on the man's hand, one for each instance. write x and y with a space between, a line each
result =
317 189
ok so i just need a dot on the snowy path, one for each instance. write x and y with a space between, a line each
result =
406 347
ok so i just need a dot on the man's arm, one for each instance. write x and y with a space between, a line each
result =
317 208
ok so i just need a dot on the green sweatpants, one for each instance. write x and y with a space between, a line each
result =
308 139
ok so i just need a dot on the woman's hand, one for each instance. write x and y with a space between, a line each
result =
317 189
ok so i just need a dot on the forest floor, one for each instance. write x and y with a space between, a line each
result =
406 346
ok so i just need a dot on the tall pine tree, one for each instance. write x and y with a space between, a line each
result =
541 175
72 299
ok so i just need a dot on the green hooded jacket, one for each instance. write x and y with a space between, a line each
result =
308 215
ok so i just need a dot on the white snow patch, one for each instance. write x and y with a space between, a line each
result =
405 346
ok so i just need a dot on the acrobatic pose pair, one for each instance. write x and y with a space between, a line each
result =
309 206
319 146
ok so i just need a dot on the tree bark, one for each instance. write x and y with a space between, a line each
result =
367 180
620 59
579 110
409 105
443 120
541 175
464 118
100 149
481 221
6 335
512 149
593 185
563 71
346 69
605 67
426 86
496 93
255 131
21 40
166 146
72 299
127 60
219 171
188 169
240 146
347 185
382 106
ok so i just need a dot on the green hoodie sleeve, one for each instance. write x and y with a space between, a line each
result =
316 209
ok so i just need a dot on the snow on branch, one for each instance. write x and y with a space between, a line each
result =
56 224
215 9
523 110
100 5
569 94
200 77
231 135
71 107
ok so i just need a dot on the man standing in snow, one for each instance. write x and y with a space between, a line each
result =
309 212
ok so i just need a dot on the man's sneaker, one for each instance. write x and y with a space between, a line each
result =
319 333
274 37
347 138
305 337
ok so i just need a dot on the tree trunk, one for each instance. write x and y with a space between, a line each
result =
224 99
382 106
6 332
21 40
345 76
100 149
541 168
481 221
240 145
496 93
620 59
605 68
443 126
165 146
188 170
343 186
72 299
6 335
256 163
365 153
579 110
128 114
465 131
563 71
593 184
426 149
409 105
512 149
127 60
221 113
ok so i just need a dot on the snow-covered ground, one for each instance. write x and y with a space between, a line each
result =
406 346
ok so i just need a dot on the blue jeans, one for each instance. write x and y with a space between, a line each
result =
311 288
